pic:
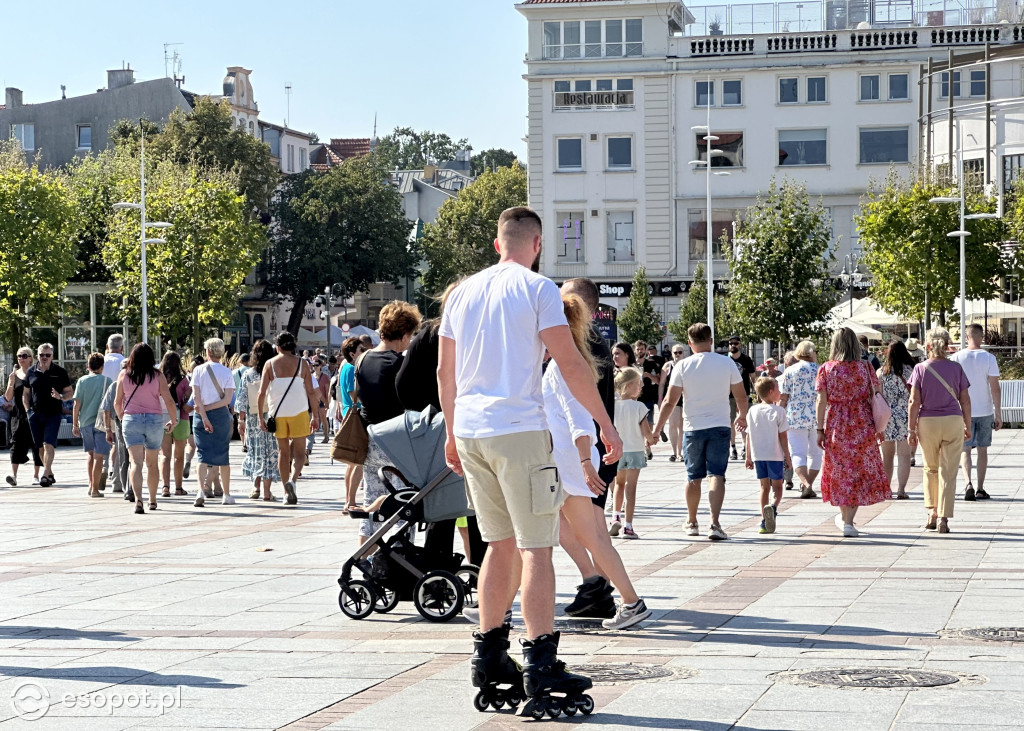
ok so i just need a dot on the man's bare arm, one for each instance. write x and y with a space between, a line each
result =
446 389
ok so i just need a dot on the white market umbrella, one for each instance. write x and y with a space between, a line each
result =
307 337
358 330
869 332
867 312
997 310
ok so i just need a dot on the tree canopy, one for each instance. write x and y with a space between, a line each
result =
694 309
638 319
407 149
492 159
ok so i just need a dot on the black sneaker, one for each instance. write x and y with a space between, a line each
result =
605 609
789 484
589 594
969 494
981 494
733 455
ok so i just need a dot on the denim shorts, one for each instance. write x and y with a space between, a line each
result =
632 461
769 470
706 452
981 431
45 428
145 429
95 440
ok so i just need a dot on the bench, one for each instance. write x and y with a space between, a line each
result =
1012 395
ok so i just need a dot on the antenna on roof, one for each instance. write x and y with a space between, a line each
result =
172 62
288 102
375 125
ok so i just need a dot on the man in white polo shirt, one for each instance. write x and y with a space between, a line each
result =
986 406
495 329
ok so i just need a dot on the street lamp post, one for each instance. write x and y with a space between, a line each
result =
141 208
849 275
329 299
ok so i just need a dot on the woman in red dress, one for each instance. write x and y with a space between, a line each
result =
852 473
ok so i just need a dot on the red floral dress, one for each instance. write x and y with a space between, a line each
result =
852 473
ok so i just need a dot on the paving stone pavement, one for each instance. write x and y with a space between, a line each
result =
227 616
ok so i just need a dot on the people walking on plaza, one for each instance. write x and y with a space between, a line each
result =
213 388
47 387
852 474
118 458
797 386
172 451
376 372
982 371
112 360
262 455
321 382
239 366
89 390
747 371
351 349
866 354
623 357
705 381
635 431
767 447
940 418
141 401
894 375
190 448
675 417
916 351
22 443
287 395
651 377
494 330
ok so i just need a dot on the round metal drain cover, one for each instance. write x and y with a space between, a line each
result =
878 678
997 634
578 625
625 672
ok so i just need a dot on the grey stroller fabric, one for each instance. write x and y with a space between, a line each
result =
414 444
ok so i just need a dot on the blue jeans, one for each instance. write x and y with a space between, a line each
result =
706 452
147 429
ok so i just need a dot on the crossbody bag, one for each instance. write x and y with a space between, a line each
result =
928 367
272 421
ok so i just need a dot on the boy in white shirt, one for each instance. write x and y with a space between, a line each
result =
768 446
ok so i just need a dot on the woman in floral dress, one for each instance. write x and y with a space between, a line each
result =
895 378
260 464
852 473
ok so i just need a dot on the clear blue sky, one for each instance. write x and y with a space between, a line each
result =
450 65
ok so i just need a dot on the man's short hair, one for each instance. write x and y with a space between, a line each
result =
45 346
115 343
518 226
699 332
585 289
244 358
863 340
976 331
96 362
763 386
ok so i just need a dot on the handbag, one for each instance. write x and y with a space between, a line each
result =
881 412
272 421
351 443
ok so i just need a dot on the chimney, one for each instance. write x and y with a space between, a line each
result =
12 97
120 77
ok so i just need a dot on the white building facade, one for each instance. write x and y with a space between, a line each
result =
615 89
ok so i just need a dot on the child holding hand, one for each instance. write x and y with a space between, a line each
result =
768 447
632 425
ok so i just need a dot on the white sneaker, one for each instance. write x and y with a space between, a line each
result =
716 533
228 500
849 531
614 528
472 614
627 616
200 500
692 529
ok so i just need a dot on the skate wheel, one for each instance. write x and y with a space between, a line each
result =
554 710
357 599
534 709
498 703
480 702
586 705
513 700
570 709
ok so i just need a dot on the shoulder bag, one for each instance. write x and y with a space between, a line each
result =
881 412
928 367
272 421
351 443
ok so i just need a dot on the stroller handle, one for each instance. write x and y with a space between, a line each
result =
383 473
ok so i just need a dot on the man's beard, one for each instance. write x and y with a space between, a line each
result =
535 267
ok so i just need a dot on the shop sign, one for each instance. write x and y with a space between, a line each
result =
594 98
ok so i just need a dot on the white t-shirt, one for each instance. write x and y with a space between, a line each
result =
979 365
112 365
764 424
707 380
495 318
202 378
628 415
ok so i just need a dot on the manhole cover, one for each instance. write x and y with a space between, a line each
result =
878 678
997 634
626 672
578 625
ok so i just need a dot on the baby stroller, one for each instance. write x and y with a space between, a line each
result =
421 490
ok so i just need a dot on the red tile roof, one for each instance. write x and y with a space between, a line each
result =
350 147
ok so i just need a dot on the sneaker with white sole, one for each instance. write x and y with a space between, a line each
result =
615 527
626 615
849 531
228 500
628 532
769 518
716 533
200 500
692 529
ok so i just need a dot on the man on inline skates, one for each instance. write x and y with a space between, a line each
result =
495 328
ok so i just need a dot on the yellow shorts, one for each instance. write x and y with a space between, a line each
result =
513 485
292 427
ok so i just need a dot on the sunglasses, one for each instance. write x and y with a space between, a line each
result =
677 352
24 355
46 355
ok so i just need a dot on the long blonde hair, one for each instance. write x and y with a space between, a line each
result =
578 315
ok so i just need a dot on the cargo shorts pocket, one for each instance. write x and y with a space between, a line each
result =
546 490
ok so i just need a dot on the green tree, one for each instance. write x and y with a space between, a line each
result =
779 272
639 320
37 257
694 309
461 241
343 226
914 265
196 279
407 149
492 160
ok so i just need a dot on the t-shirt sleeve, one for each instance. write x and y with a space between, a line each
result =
993 366
784 381
965 382
783 421
640 412
735 376
78 390
915 377
676 379
550 312
819 380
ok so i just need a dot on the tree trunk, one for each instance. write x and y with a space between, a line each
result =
295 318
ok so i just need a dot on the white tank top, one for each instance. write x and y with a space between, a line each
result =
292 404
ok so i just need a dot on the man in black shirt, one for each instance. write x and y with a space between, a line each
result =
47 387
746 366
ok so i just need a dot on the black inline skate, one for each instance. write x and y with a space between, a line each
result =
498 676
544 675
593 599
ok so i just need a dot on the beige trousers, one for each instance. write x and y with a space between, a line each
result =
942 439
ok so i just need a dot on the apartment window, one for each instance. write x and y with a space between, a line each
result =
570 153
721 226
731 145
944 84
613 38
83 136
291 158
620 232
869 87
705 95
816 90
571 39
978 82
899 87
1013 170
552 40
788 91
732 93
885 145
634 37
620 153
803 147
624 85
592 31
302 159
569 238
25 134
565 88
593 38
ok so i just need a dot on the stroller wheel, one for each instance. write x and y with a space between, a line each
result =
469 575
387 599
438 596
357 599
